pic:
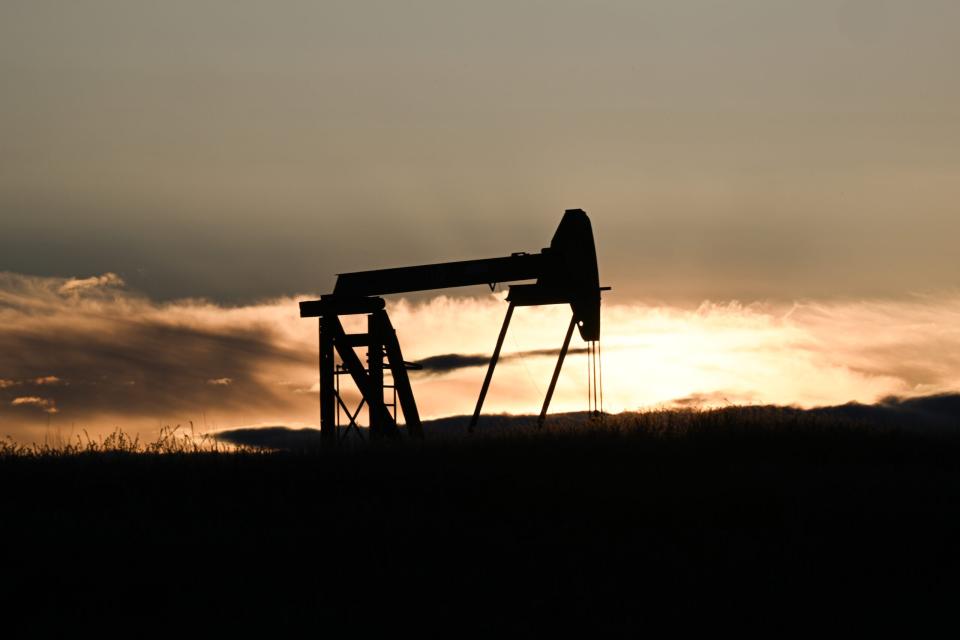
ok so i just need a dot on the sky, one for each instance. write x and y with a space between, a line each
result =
772 185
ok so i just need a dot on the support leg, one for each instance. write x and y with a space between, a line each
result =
493 364
375 369
351 362
401 381
328 394
556 372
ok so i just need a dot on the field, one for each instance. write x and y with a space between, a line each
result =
754 517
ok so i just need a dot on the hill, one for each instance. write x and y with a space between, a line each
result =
756 517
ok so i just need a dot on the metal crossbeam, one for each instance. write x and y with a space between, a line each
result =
353 418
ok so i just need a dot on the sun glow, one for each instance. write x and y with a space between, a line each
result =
803 354
101 356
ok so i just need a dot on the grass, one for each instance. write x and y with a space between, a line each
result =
170 440
750 517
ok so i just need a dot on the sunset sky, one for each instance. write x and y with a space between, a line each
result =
773 186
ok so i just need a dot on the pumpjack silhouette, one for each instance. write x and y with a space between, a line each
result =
565 273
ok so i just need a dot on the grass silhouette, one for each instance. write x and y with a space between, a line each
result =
759 517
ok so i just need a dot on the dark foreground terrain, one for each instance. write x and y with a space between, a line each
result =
760 518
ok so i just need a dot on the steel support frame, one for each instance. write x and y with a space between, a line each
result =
496 357
381 341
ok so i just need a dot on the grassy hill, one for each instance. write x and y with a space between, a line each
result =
756 517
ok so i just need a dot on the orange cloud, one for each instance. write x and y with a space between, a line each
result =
140 364
75 285
46 404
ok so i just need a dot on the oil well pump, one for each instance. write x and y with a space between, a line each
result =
564 273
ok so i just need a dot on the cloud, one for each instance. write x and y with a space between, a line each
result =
448 362
75 285
37 382
104 356
712 398
935 412
283 438
451 361
132 366
46 404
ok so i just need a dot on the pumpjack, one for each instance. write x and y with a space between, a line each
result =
564 273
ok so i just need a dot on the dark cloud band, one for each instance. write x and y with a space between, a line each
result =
448 362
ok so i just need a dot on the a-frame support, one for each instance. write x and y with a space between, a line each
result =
381 341
496 356
361 378
401 381
490 368
379 426
328 390
556 372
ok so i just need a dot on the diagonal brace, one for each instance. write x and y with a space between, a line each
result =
352 363
493 364
556 372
